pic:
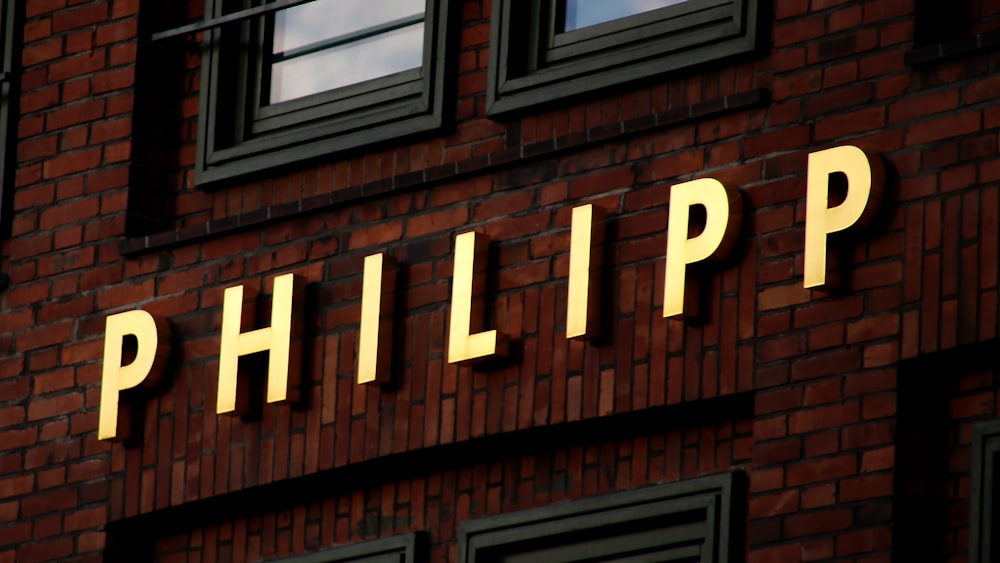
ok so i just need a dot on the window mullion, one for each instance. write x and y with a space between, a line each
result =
347 38
235 17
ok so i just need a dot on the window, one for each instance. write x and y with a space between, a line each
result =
577 14
982 526
310 53
947 30
940 22
407 548
544 51
9 59
303 80
689 521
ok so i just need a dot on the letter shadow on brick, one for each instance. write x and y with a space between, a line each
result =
703 303
399 329
842 245
134 402
514 347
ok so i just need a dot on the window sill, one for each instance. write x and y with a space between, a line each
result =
958 48
241 138
609 55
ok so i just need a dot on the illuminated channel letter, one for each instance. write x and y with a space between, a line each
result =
377 295
153 348
467 308
582 309
282 340
864 186
723 217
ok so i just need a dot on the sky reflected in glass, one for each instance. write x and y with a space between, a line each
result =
374 57
585 13
323 19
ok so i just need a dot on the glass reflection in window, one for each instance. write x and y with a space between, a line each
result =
585 13
328 44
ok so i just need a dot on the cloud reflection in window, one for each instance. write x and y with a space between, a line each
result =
379 55
584 13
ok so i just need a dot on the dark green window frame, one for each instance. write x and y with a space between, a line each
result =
696 520
405 548
239 136
532 63
985 495
10 19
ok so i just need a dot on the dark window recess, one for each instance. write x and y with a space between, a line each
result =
9 60
947 30
940 22
544 51
697 520
985 494
291 81
407 548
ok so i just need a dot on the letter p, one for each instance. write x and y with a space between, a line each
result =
864 183
145 370
723 219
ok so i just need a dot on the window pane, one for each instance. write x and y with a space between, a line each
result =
323 19
583 13
374 57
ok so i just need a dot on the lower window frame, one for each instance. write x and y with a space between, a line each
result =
984 495
238 141
552 67
11 16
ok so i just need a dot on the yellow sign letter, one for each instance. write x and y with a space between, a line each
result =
375 346
723 217
467 308
145 369
864 183
585 247
283 341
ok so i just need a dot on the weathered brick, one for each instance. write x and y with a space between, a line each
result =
945 127
818 522
72 163
76 66
80 16
58 405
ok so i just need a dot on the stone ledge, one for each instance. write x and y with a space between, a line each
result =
444 173
953 49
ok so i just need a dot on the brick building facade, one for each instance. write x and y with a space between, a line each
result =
846 425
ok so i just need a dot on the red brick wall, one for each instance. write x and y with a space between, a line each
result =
818 375
385 500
